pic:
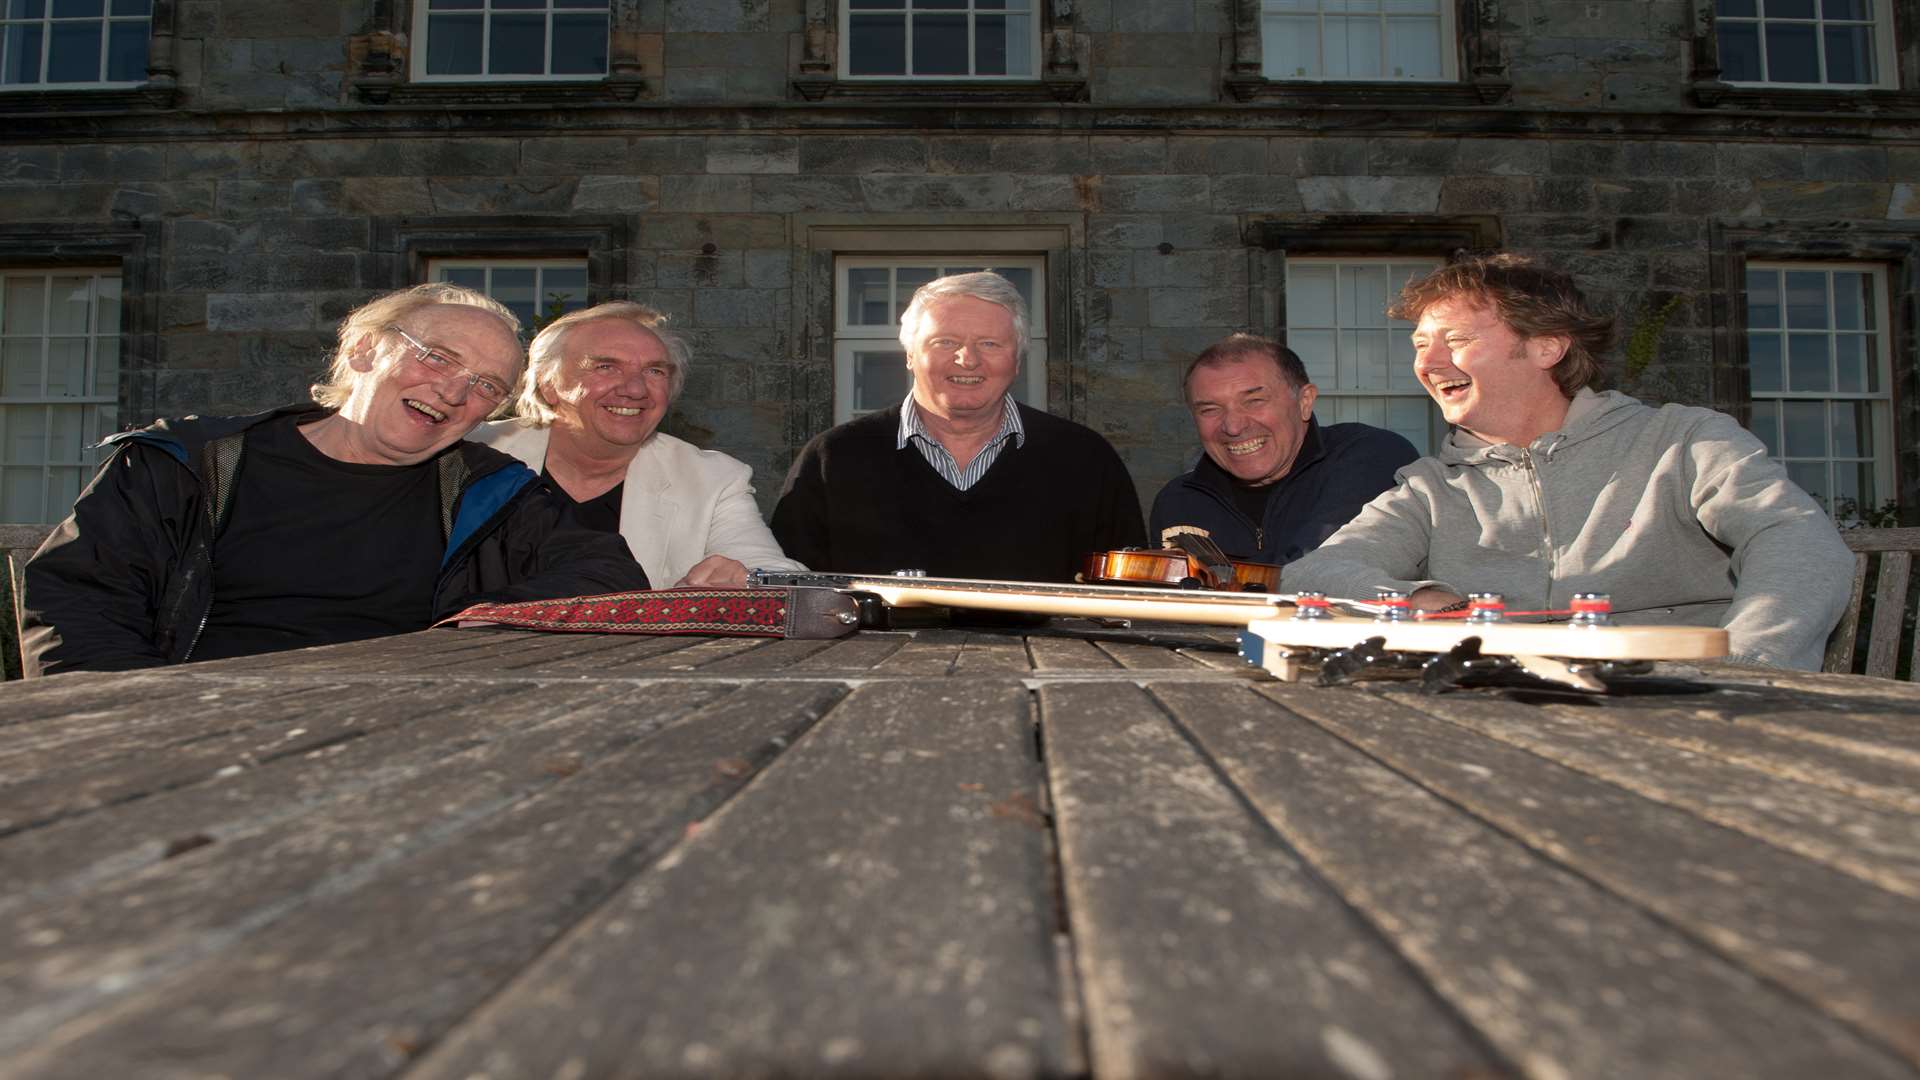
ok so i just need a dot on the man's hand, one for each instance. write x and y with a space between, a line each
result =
715 570
1432 599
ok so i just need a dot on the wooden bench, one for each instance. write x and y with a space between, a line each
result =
1892 550
17 544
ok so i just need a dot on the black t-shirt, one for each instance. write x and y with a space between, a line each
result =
317 551
601 513
1251 500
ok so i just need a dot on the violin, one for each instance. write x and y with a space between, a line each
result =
1177 568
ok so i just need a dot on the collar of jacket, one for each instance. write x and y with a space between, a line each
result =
1591 413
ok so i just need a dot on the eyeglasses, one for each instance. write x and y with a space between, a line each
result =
486 387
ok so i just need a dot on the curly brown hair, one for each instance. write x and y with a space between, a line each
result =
1535 300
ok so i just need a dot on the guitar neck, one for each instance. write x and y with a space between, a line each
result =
1038 598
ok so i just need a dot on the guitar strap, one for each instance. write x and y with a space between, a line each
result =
755 611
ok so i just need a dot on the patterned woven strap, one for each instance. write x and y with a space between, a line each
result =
750 612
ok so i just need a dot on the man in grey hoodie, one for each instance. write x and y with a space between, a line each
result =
1544 488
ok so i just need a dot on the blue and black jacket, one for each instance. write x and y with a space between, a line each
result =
126 581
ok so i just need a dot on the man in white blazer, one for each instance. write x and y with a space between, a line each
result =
598 384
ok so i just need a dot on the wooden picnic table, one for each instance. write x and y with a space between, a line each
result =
1059 852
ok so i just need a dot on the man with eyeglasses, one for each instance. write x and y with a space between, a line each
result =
363 515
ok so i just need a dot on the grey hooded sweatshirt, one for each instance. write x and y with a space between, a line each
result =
1676 512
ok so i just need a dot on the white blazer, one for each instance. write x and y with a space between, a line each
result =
680 505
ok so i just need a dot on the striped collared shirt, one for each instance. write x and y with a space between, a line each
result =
913 431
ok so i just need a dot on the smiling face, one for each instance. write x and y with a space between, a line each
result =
402 412
612 387
963 357
1250 419
1485 376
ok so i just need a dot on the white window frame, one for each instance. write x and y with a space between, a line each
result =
106 20
851 338
1881 25
487 11
1880 401
1339 379
970 9
1271 11
437 269
97 410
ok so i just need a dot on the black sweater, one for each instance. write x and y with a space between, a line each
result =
855 504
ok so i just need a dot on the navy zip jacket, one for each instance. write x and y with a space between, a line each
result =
125 581
1339 470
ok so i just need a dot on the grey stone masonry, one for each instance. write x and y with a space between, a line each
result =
1165 183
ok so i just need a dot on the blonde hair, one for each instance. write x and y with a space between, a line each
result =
548 353
1533 299
374 316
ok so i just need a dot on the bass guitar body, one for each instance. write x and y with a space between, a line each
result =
1171 568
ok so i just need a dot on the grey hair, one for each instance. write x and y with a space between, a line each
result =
374 316
983 285
549 352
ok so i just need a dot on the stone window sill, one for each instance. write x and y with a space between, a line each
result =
1486 90
122 99
1713 94
1045 89
385 90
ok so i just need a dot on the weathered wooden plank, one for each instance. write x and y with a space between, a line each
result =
931 652
622 651
695 657
768 659
1139 655
281 726
400 654
1204 946
1053 652
1566 979
151 712
855 654
875 905
1840 648
1771 910
1882 777
1889 604
355 963
77 853
1871 842
526 651
83 696
993 654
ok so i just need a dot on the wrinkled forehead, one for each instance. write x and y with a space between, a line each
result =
618 339
470 335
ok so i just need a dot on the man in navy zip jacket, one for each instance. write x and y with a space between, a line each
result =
1273 483
363 515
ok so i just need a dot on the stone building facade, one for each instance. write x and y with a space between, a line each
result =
1156 177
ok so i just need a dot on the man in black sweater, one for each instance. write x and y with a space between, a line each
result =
1273 484
961 480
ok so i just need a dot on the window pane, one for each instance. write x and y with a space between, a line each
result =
1789 9
878 45
518 45
924 4
132 7
990 45
1734 8
1740 52
1847 503
449 5
20 54
1808 365
71 306
26 9
75 53
893 5
106 368
1413 48
1806 299
453 44
1790 53
1851 295
24 309
1812 477
63 435
1849 54
1310 295
127 52
1316 349
1806 428
27 438
1852 429
1292 45
1021 278
77 9
66 367
867 297
1020 45
565 287
521 4
940 45
1850 363
579 44
906 280
1352 48
1766 425
471 277
515 288
1763 361
1763 298
1859 10
20 494
879 379
20 368
599 4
